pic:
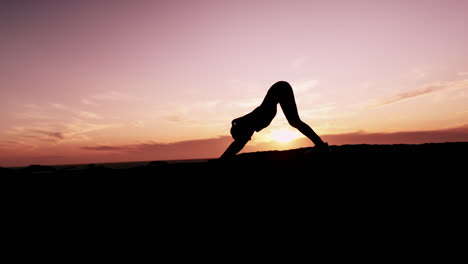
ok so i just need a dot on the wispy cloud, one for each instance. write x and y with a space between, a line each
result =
202 148
426 89
411 94
52 134
34 115
59 106
417 74
137 123
55 122
30 106
323 111
88 102
15 144
114 96
175 118
80 126
57 130
97 99
89 115
109 148
298 63
34 132
200 113
52 111
305 86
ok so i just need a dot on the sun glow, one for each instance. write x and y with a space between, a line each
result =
284 136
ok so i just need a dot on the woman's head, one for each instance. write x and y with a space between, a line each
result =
241 132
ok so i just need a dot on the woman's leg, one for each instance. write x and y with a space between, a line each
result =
283 93
272 97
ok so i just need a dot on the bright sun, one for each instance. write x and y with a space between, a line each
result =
285 135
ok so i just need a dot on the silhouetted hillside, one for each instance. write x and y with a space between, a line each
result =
389 180
350 160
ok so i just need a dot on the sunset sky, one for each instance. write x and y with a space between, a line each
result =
108 81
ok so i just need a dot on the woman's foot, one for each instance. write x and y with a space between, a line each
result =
322 148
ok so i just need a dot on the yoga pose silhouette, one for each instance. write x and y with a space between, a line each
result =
243 127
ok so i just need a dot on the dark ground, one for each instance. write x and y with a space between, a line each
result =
352 169
355 187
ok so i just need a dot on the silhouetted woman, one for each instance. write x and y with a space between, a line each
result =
243 127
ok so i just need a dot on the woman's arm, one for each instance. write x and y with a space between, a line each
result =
234 148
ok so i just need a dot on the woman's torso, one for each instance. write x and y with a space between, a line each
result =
259 118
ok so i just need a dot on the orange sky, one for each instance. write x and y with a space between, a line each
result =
96 82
